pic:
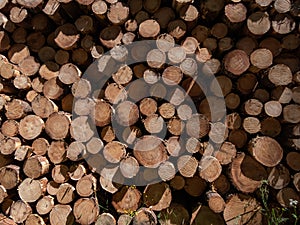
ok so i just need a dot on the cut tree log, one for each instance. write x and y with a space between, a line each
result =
106 218
202 213
65 193
61 214
150 151
144 215
157 196
279 177
45 205
266 150
215 201
242 209
9 176
30 190
19 211
127 199
175 214
245 179
36 166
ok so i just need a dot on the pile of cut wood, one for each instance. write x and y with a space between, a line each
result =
104 119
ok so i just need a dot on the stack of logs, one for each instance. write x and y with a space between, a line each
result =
251 47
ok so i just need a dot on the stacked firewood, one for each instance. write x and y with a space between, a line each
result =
81 127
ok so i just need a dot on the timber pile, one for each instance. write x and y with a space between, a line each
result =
252 47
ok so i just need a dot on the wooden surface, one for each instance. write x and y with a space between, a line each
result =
151 122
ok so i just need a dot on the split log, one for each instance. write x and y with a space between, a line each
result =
226 153
107 134
233 121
